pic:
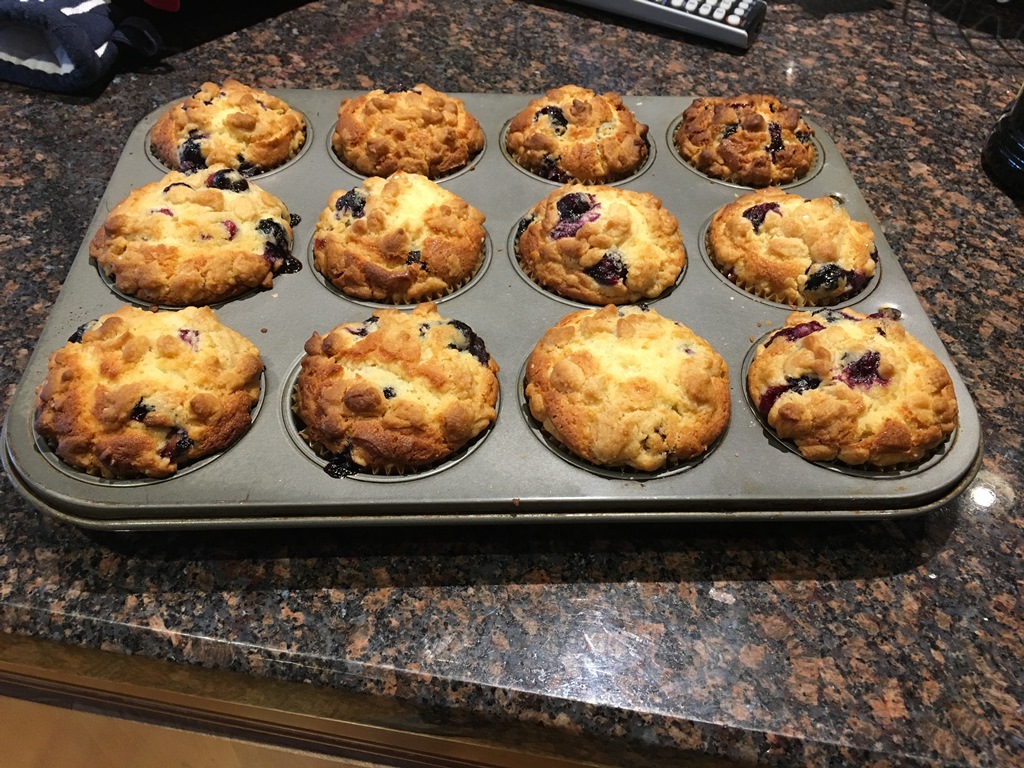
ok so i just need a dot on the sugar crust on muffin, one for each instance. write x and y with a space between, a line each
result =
625 387
852 387
141 394
418 130
601 245
191 239
749 139
572 134
401 391
792 250
229 124
403 239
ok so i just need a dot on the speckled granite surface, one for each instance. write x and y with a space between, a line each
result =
842 643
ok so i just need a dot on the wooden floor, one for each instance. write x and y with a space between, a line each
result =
36 735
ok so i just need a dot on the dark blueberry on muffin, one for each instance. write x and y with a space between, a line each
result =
246 168
756 214
797 384
552 171
776 144
471 342
797 331
574 210
277 249
353 203
342 465
610 270
140 411
178 444
556 116
191 153
827 277
862 372
227 180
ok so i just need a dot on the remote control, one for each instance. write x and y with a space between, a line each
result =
734 22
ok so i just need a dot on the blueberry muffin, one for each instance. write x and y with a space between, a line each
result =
398 392
601 245
572 134
625 387
195 239
403 240
141 394
418 130
791 250
233 125
854 388
752 139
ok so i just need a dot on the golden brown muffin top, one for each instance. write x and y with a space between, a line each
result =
400 391
852 387
143 393
627 387
418 130
572 134
795 251
231 124
749 139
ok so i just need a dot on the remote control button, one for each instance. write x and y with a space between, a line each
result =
676 3
733 20
718 15
691 6
705 9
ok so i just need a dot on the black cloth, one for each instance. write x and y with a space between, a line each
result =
67 46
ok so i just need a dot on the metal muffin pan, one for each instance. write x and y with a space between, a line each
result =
269 479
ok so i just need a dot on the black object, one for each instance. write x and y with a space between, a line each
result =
67 46
1003 155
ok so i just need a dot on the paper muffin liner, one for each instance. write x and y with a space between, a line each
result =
673 465
339 466
447 293
930 459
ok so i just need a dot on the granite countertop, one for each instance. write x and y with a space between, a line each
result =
885 642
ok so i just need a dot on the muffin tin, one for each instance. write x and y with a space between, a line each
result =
513 472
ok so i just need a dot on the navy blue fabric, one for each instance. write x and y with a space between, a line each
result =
80 35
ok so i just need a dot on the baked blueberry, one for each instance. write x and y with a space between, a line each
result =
574 210
352 203
797 331
610 270
862 372
228 180
756 214
190 155
470 342
776 144
556 116
140 411
798 384
178 444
